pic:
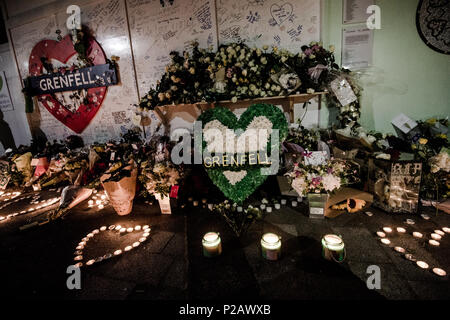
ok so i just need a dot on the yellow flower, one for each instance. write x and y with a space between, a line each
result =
431 121
423 141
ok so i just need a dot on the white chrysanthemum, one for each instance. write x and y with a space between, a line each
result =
234 176
331 182
299 185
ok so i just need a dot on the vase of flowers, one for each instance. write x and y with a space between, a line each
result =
318 181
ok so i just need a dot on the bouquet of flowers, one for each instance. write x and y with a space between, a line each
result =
304 138
238 221
324 178
159 177
119 182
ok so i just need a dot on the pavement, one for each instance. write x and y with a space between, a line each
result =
170 264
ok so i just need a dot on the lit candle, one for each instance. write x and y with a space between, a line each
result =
422 264
212 244
332 245
299 199
439 272
103 197
417 235
98 202
271 246
269 209
410 221
277 206
283 202
381 234
401 230
294 203
91 202
204 200
387 229
435 236
385 241
399 249
434 243
190 199
137 228
195 203
446 230
262 206
100 206
130 230
210 206
440 232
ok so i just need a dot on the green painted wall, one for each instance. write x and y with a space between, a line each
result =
407 76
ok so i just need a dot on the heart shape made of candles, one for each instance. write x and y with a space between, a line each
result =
118 229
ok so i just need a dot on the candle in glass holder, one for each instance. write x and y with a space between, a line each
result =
277 206
271 246
195 203
212 244
294 203
333 248
269 209
284 201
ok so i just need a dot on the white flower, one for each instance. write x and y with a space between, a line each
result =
299 185
244 72
234 99
331 182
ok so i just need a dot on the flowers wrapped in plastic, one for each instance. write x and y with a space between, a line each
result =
119 182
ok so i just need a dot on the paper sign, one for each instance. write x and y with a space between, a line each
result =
403 123
357 48
164 204
343 91
316 158
355 11
174 191
5 98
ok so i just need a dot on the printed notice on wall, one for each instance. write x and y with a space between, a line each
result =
357 48
355 11
5 98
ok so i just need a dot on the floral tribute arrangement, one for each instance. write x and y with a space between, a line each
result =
325 178
236 161
237 71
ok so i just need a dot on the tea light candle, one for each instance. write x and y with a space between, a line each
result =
212 244
204 200
439 272
294 203
417 235
435 236
434 243
410 221
277 206
271 246
401 230
381 234
440 232
332 245
385 241
422 264
190 199
210 206
400 249
195 203
284 201
91 202
101 206
446 230
387 229
269 209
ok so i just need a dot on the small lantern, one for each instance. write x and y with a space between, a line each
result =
212 244
271 246
333 248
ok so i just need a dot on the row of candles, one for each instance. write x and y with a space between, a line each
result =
436 236
263 206
332 246
43 204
